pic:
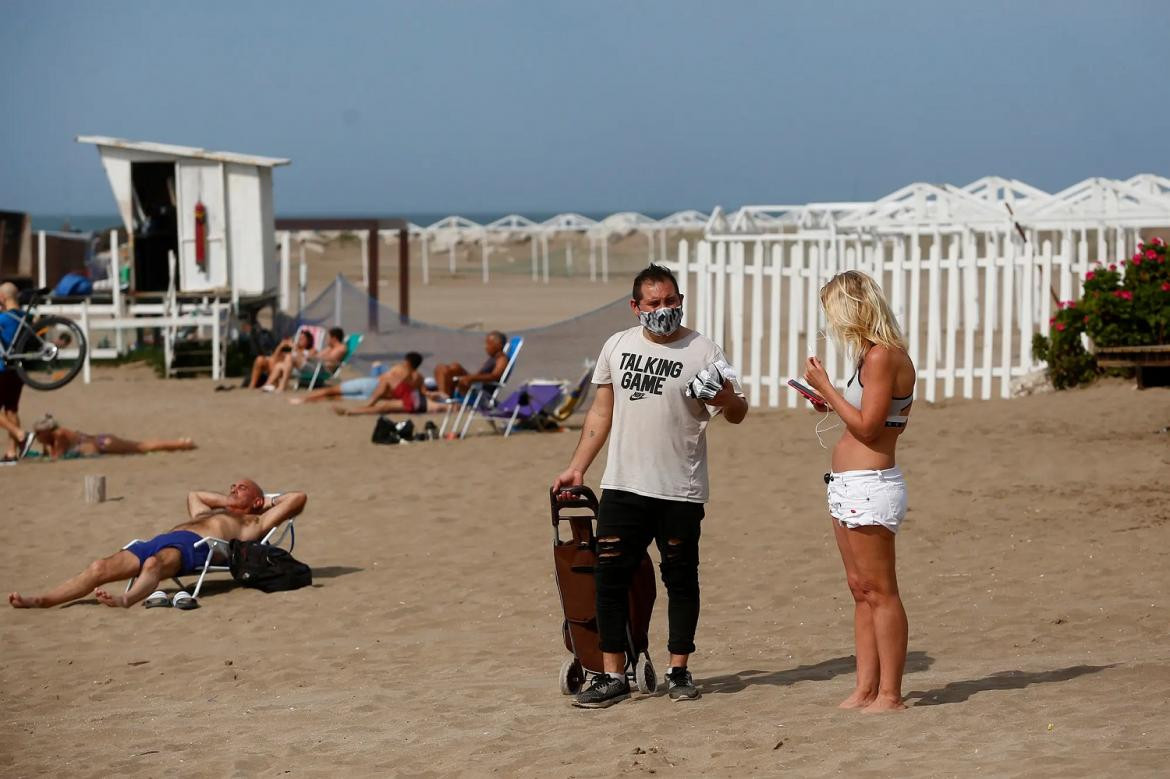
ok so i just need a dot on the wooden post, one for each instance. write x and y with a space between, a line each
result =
404 275
372 278
95 489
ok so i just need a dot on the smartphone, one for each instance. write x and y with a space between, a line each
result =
806 391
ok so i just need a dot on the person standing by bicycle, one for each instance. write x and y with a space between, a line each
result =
11 385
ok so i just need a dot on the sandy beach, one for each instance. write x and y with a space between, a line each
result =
1033 565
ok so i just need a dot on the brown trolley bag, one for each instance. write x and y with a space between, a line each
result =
575 559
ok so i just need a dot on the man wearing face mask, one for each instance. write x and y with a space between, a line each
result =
658 384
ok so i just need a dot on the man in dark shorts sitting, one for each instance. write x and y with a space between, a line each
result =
453 376
243 514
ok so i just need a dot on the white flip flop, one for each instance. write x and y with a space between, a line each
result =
184 601
157 600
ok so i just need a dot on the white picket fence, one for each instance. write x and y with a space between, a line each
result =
968 302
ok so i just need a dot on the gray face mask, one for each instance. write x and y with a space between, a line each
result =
661 321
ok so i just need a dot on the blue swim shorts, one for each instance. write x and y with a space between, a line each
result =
193 557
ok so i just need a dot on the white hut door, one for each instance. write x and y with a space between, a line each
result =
202 182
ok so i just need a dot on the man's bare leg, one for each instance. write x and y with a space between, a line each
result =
381 407
162 565
118 566
317 395
445 376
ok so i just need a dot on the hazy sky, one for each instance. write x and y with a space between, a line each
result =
540 106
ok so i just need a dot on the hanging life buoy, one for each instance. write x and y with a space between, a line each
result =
201 235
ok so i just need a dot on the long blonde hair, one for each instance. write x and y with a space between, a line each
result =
859 315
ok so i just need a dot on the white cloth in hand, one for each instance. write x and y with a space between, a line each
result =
707 383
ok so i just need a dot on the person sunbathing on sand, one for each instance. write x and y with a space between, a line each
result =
400 386
243 514
399 389
62 442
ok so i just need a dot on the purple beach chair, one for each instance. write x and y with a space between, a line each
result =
530 403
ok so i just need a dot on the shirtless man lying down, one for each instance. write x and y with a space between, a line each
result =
243 513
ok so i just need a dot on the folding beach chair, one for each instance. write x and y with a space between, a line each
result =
533 405
221 548
481 396
316 374
577 396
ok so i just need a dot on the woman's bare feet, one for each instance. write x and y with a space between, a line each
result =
858 700
296 401
884 703
18 601
111 600
341 411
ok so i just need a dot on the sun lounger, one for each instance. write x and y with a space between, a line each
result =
221 549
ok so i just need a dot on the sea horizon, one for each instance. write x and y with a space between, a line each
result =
101 222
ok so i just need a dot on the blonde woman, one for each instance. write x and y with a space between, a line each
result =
866 490
58 441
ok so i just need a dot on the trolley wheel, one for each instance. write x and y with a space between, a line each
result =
645 676
572 676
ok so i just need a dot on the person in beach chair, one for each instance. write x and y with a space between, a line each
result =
453 377
62 442
337 352
399 389
243 514
298 348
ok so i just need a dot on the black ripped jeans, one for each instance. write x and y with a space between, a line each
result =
626 523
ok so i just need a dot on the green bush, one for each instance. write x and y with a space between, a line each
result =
1114 310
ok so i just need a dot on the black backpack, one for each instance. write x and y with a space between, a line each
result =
267 568
385 431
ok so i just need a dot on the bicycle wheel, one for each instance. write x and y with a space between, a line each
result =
51 355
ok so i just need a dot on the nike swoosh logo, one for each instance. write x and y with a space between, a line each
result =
637 396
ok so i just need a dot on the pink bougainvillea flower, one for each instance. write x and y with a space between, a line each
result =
1151 254
1137 260
1159 242
1089 276
1113 266
1126 294
1166 286
1086 319
1060 325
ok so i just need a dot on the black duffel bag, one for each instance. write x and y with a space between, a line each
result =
267 568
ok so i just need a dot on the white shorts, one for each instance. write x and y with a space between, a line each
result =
860 498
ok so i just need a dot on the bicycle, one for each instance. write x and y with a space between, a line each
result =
47 352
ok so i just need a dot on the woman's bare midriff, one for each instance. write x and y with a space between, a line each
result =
852 455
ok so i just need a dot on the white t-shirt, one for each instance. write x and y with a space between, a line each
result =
658 440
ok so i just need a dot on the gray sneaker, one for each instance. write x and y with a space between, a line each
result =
680 685
605 690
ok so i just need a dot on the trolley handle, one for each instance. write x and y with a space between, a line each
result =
571 498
